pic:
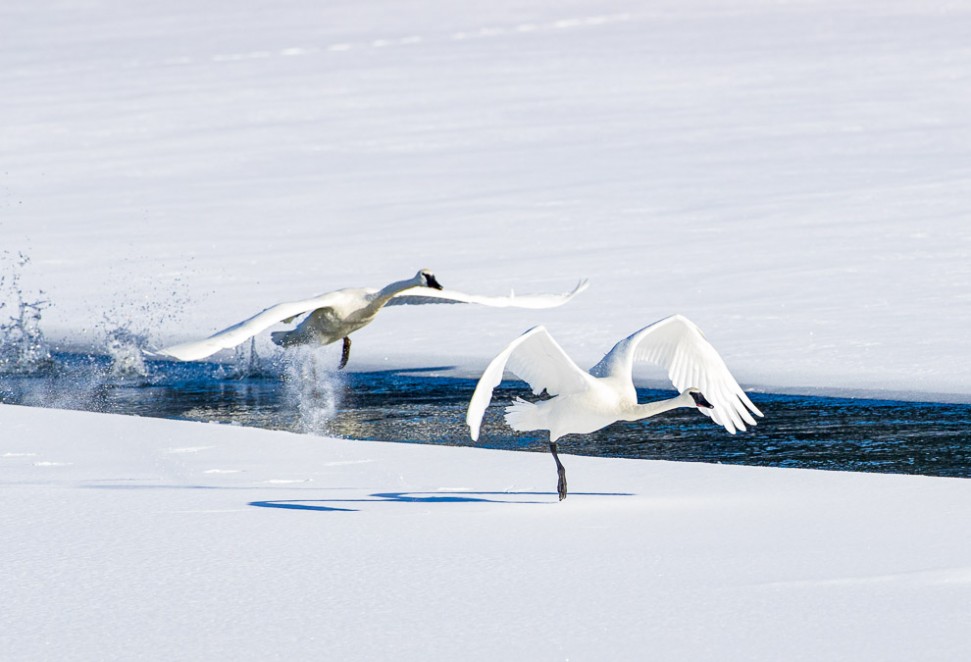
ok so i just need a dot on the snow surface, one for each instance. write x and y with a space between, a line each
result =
795 177
127 538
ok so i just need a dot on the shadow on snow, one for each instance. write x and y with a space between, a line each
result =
418 497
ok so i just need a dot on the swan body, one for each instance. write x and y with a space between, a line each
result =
336 315
583 402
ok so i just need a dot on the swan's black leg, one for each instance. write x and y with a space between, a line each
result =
345 353
560 471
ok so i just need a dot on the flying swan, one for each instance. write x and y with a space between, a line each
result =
336 315
584 402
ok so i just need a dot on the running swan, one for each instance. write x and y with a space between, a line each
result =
584 402
336 315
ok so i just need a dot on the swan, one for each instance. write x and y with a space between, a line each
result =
336 315
583 402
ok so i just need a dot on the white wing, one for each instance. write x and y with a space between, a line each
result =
678 346
238 333
429 295
538 360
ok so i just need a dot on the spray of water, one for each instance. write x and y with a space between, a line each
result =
130 324
125 349
37 375
247 363
23 348
313 387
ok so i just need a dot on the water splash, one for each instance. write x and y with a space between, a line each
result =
247 363
23 348
125 349
313 387
134 319
36 374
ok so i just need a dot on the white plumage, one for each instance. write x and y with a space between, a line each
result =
335 315
583 402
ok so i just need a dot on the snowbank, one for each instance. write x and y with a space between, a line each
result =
127 538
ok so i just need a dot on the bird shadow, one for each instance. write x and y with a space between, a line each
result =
419 497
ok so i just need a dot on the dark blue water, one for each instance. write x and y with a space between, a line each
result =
797 431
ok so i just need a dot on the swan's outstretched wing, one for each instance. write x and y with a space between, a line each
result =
538 360
238 333
678 346
512 301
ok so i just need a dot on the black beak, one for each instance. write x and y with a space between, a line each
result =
430 279
700 400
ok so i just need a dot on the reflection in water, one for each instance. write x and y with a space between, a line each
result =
303 395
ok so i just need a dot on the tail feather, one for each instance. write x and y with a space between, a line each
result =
524 415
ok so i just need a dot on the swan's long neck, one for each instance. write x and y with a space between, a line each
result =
649 409
383 295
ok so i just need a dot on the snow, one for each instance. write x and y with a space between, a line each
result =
792 176
129 538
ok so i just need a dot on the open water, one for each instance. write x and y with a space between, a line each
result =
418 406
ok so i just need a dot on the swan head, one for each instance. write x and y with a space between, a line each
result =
426 278
700 401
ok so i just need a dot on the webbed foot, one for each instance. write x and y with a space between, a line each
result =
560 472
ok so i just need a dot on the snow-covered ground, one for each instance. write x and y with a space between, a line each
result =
128 538
793 176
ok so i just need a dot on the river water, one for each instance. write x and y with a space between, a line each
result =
422 407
